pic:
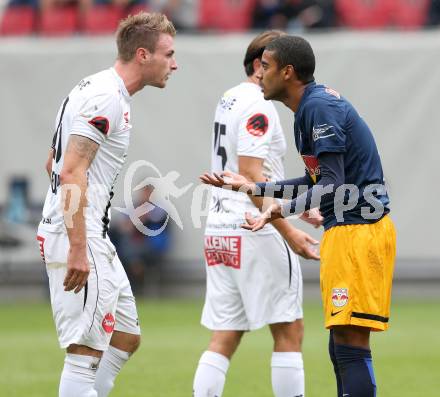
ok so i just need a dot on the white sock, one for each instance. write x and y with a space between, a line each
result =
210 376
287 374
78 376
111 363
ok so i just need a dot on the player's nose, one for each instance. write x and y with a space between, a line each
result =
174 65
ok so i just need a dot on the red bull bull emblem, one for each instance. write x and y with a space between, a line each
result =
339 296
108 323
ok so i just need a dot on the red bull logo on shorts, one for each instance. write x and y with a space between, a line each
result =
339 296
223 250
108 323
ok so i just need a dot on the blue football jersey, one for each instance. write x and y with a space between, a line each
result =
326 122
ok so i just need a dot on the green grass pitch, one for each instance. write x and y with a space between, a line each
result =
406 358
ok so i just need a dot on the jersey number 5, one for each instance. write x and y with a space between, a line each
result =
219 130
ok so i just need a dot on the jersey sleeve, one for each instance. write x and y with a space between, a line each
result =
325 120
97 118
255 130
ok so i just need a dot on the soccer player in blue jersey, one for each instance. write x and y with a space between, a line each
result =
344 178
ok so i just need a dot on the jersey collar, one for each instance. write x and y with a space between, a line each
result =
121 83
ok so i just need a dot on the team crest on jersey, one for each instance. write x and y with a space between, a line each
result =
339 296
258 124
312 165
108 323
223 250
101 124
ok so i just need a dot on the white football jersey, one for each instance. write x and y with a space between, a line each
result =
97 108
245 125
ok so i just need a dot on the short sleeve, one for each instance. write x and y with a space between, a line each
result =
326 122
255 131
97 118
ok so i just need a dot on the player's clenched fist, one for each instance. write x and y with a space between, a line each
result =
78 270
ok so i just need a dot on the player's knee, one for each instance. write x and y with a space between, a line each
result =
351 335
135 342
83 350
225 343
125 341
288 336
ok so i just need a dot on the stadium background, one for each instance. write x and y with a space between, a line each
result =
391 75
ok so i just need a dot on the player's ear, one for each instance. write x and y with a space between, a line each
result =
142 55
289 73
256 63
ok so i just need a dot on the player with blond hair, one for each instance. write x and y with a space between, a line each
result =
93 305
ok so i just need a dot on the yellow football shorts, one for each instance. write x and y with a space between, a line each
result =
357 264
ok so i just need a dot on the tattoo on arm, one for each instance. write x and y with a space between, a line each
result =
82 147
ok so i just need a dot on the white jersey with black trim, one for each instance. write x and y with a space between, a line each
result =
97 108
245 125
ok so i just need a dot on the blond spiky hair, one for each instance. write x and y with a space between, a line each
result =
141 31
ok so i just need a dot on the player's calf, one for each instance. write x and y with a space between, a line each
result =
79 372
287 362
331 350
354 361
122 346
210 376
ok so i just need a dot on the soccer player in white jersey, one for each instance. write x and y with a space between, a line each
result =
252 279
92 302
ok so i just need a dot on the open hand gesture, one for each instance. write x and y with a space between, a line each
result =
228 180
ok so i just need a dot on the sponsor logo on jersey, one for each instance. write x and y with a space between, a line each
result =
331 91
101 124
320 132
126 118
312 165
218 204
223 250
339 296
108 323
258 124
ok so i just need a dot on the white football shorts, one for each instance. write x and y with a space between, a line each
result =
252 280
105 304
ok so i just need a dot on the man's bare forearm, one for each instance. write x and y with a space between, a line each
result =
80 152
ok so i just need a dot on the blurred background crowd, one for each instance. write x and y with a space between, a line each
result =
68 17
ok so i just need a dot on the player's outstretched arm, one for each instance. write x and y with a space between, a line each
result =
230 181
79 154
